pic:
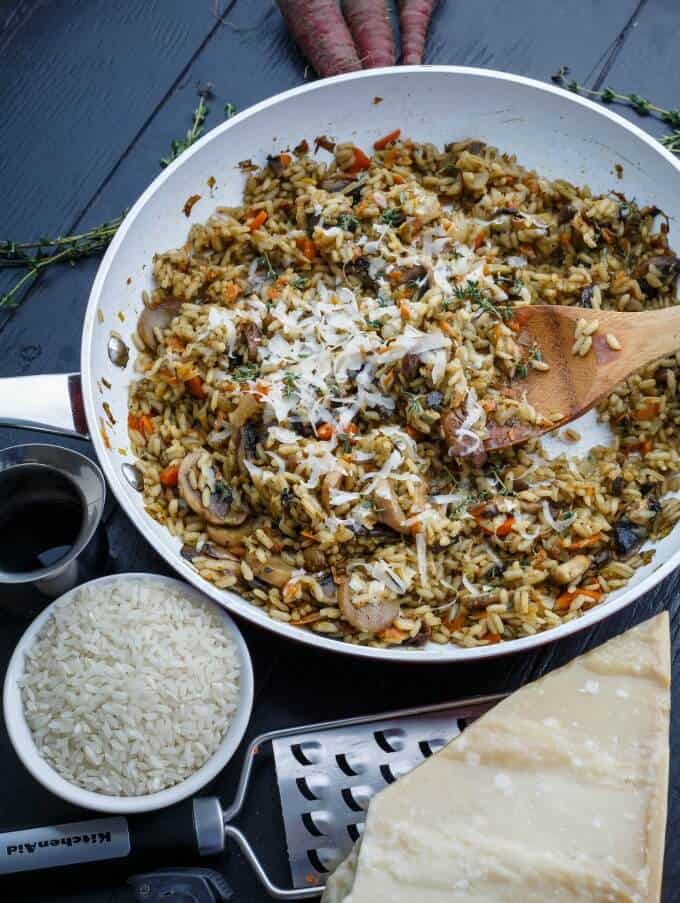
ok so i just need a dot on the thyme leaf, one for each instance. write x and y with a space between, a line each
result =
642 106
179 145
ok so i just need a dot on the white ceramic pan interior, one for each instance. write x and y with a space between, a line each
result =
559 134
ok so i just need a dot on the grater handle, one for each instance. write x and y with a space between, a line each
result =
277 893
192 828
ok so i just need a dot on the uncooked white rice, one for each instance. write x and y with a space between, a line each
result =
130 688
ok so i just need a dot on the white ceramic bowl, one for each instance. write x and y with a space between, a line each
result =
22 740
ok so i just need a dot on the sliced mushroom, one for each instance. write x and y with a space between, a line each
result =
253 337
571 570
312 220
233 536
361 269
156 318
247 408
211 551
412 275
276 165
315 560
410 366
483 599
247 440
664 262
628 537
330 482
335 185
460 446
369 618
221 509
274 571
387 507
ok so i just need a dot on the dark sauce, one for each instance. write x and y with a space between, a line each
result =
41 516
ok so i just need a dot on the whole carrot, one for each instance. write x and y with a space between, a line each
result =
414 19
322 35
369 22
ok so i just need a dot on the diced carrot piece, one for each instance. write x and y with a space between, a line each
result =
285 159
458 622
492 638
392 635
647 411
308 535
476 510
359 161
195 387
506 526
325 431
352 429
398 180
404 311
382 143
478 240
145 425
259 219
585 542
232 291
413 432
563 602
307 247
169 475
395 276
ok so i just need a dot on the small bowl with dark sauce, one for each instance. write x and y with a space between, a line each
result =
52 500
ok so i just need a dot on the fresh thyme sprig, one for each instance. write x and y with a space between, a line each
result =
179 145
641 105
35 256
471 292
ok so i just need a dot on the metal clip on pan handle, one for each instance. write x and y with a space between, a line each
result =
49 404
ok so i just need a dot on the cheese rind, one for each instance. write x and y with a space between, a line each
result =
558 793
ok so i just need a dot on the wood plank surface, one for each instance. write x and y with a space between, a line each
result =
92 94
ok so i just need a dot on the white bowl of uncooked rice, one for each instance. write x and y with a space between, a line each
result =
128 693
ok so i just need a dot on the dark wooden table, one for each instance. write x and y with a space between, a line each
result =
91 94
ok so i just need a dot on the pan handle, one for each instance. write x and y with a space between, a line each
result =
49 404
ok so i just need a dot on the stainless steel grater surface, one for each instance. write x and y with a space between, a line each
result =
327 777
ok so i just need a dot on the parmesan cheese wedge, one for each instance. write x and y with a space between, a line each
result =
558 793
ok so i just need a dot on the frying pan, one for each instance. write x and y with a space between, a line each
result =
556 132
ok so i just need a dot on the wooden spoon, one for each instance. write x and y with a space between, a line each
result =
573 384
